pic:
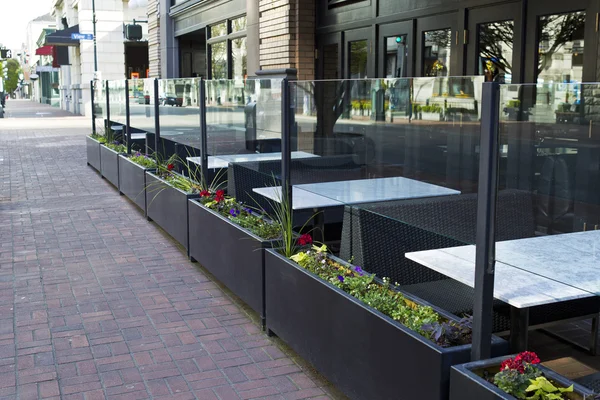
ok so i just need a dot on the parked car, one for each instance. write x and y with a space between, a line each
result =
171 100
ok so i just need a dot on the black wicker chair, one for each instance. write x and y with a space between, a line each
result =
377 235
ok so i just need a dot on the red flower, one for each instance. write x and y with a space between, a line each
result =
204 193
220 196
528 357
520 362
170 167
305 239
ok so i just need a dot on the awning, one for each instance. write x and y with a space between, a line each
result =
63 37
43 51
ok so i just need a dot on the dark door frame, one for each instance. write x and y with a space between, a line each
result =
327 40
387 30
549 7
437 22
488 14
356 35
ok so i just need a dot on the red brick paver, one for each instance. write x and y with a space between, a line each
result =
96 302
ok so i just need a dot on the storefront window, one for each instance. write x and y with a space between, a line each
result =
396 56
496 51
358 59
436 52
238 58
219 60
218 30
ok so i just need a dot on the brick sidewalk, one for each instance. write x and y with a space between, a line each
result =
96 302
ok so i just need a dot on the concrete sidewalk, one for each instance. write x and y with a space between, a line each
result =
29 109
96 302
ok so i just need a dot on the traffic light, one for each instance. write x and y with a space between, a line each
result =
399 39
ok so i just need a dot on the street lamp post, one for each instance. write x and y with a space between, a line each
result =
95 50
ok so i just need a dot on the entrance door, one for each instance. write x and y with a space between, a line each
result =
359 62
396 50
437 46
329 59
494 43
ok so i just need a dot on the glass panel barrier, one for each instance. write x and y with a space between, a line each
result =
141 105
99 88
179 110
550 138
117 96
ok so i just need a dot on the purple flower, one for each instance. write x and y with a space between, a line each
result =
116 142
341 278
248 210
359 271
137 154
234 212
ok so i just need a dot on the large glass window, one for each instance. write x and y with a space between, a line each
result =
560 48
238 58
436 52
396 56
218 60
358 59
228 49
495 47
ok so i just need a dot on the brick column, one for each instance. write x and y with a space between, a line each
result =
287 36
153 39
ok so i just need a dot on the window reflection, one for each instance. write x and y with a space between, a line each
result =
219 60
238 24
436 52
496 51
358 59
560 47
396 57
238 58
218 30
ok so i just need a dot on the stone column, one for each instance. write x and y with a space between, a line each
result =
252 38
169 44
153 39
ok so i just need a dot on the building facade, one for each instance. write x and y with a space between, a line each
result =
117 57
507 41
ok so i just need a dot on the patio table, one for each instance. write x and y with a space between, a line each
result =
528 272
220 162
321 195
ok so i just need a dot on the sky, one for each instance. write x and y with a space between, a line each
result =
14 16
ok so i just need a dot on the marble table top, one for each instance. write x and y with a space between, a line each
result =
219 162
301 199
529 272
377 189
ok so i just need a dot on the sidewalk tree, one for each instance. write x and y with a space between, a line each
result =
12 80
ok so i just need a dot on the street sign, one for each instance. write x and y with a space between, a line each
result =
82 36
5 53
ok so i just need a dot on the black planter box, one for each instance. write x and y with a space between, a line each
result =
93 152
231 253
466 384
132 181
109 165
167 206
364 353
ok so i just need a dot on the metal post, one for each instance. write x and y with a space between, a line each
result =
95 49
286 144
93 107
203 133
156 122
486 224
127 117
108 125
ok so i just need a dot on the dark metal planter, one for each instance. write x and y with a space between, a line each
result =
109 165
93 152
363 352
167 206
466 384
231 253
132 181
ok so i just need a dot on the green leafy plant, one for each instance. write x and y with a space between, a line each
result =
143 160
244 216
99 136
542 389
116 146
379 294
431 109
513 103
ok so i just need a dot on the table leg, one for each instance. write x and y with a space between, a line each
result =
319 223
519 329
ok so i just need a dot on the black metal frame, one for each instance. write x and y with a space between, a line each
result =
127 117
107 122
93 107
203 132
156 123
486 219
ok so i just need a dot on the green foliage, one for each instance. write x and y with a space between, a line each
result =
377 294
239 214
143 160
513 103
431 109
116 146
14 69
514 382
542 389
